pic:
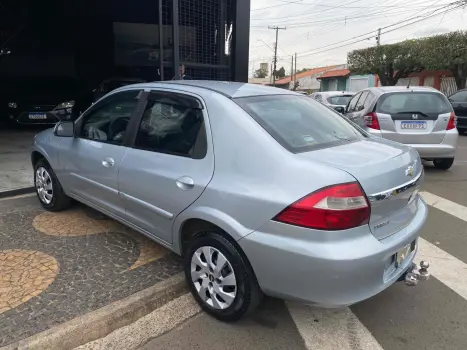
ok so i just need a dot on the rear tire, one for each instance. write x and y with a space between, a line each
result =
48 188
220 278
443 163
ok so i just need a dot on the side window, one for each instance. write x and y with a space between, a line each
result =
361 101
460 96
172 124
353 103
107 121
368 100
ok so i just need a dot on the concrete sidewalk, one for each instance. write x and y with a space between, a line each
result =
55 267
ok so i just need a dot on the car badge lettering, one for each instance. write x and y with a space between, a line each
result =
409 171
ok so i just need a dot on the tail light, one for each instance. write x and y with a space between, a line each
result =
452 122
371 121
338 207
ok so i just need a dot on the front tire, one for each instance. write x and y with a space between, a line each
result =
48 188
443 163
220 278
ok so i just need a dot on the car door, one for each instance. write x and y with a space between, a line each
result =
459 104
90 161
169 164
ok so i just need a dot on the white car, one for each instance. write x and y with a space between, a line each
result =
334 99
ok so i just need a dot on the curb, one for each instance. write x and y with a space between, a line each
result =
99 323
17 192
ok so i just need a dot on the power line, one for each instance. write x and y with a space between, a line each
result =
388 31
388 26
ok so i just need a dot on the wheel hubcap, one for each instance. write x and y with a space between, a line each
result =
44 185
213 277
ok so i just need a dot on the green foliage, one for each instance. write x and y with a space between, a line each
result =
280 73
394 61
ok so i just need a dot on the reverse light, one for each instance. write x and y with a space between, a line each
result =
338 207
452 122
371 121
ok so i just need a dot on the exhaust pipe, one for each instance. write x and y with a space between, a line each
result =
414 274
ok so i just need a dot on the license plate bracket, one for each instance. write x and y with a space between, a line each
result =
413 125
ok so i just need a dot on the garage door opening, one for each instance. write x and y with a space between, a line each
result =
58 57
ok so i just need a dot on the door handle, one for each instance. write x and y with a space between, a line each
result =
108 162
185 183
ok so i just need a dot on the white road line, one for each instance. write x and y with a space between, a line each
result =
452 208
331 329
451 271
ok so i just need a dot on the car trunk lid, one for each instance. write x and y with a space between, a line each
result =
390 175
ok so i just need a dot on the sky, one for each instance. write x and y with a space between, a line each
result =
323 32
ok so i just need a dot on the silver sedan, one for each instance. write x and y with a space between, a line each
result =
261 190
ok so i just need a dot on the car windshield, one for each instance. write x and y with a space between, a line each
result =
298 123
413 102
341 100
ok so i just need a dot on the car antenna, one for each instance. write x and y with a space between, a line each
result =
408 84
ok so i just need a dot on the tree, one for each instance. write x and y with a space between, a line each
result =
390 62
303 70
447 52
259 73
280 73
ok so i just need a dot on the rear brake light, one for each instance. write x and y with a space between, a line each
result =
371 121
338 207
452 122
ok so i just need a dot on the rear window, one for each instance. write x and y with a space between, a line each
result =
340 100
413 102
298 123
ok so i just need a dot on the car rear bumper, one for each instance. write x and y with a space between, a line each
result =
329 269
445 149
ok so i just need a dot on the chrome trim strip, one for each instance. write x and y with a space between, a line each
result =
381 196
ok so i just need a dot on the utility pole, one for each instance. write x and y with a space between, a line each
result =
378 37
291 70
276 28
295 70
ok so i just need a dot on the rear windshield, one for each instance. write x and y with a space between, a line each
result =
413 102
339 100
298 123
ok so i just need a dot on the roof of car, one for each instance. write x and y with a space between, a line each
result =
335 93
227 88
384 89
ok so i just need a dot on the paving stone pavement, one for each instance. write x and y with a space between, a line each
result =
57 266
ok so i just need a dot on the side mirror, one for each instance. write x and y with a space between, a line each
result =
340 109
64 129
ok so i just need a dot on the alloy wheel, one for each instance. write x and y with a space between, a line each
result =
213 277
44 185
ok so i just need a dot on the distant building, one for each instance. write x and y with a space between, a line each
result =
307 81
343 80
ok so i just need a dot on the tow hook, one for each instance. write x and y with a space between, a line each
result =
415 274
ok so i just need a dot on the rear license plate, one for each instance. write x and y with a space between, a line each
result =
413 125
403 253
37 116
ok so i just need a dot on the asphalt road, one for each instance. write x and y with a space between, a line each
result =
432 315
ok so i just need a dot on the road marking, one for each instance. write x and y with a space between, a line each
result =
18 196
331 329
451 271
451 208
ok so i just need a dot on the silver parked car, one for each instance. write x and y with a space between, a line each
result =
334 99
420 117
261 190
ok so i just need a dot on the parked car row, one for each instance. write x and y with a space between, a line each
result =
46 102
261 190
